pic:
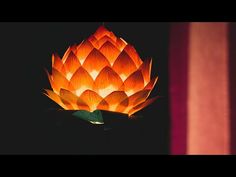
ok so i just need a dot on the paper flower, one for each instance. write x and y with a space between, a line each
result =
102 73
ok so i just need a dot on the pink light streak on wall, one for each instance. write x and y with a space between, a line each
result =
199 88
208 99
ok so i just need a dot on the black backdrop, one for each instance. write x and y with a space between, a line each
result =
28 126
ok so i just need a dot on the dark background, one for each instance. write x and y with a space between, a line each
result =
28 121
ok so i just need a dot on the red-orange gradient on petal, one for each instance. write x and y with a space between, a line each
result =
103 72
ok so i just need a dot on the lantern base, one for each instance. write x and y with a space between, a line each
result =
69 134
108 118
94 117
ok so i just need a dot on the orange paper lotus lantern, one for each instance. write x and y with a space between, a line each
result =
103 72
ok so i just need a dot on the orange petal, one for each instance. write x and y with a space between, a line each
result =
151 84
91 98
133 54
114 99
63 71
138 97
103 105
59 80
95 61
120 44
80 80
124 65
74 48
69 98
142 105
107 81
72 63
146 70
135 99
109 51
53 85
66 54
104 39
83 50
122 106
56 62
53 96
112 36
101 32
93 41
134 82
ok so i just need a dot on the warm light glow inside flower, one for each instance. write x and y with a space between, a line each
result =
102 73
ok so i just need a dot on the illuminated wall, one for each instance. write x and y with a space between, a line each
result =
199 88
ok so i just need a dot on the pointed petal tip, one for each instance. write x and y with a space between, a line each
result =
101 31
131 51
102 28
142 105
56 98
151 84
72 63
145 68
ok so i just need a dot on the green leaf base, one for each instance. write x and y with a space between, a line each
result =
94 117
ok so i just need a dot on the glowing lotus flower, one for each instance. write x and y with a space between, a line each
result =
101 73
